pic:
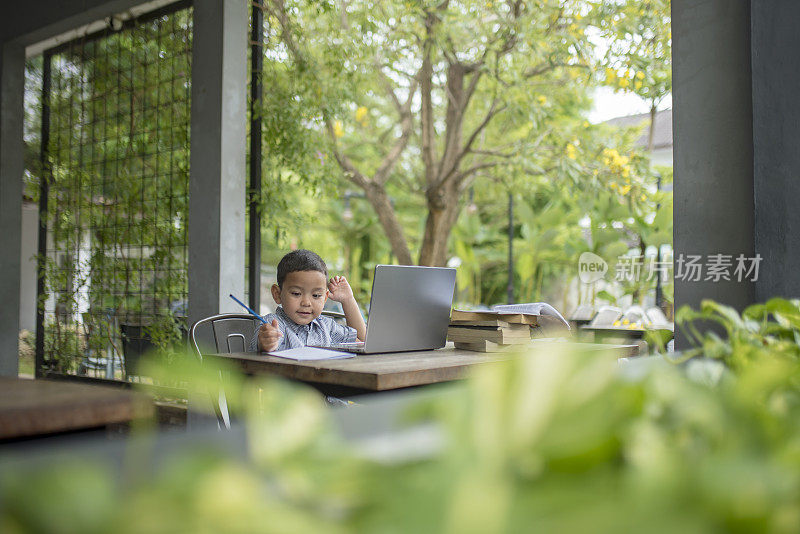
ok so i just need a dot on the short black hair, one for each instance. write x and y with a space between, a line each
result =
300 260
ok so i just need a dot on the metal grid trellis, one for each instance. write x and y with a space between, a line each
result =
254 159
114 198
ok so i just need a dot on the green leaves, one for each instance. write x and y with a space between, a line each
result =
638 58
551 439
762 331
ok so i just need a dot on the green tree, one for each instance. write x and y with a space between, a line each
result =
639 55
432 97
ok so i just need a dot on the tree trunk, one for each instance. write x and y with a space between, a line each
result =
442 216
382 205
652 130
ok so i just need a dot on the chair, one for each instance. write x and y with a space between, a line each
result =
339 317
634 315
657 317
605 317
230 332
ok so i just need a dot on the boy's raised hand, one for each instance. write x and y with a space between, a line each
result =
339 290
269 336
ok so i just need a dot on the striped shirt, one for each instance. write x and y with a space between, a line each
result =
321 331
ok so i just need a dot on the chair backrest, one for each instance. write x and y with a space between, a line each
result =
231 332
634 315
606 316
657 317
339 317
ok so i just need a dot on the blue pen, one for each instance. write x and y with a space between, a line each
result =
246 307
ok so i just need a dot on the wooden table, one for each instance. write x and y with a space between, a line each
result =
379 372
37 408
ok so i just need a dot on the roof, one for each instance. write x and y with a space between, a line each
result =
662 137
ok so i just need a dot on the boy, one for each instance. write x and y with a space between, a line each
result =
301 292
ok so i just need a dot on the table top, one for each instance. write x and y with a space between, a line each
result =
31 408
381 372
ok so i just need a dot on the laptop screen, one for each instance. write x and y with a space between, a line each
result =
409 308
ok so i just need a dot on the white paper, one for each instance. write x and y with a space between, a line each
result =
303 354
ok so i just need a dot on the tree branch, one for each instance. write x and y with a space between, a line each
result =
477 168
426 88
453 169
279 12
349 169
494 153
385 81
541 69
454 116
406 126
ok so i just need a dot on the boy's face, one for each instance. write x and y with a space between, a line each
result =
302 296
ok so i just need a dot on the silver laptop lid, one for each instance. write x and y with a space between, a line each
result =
409 308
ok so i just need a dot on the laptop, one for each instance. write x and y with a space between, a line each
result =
409 310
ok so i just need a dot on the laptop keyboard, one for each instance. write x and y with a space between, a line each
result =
353 346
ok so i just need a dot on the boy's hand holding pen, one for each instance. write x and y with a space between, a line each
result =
269 335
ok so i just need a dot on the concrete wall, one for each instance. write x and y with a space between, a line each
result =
776 136
218 183
30 22
12 81
737 127
713 148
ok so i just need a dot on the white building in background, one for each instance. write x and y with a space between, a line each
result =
662 137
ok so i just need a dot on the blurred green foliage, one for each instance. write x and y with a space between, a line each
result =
549 441
768 331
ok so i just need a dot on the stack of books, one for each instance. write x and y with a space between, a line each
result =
489 331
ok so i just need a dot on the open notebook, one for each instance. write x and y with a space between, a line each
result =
303 354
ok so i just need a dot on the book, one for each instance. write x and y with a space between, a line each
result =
488 322
470 316
533 308
484 346
514 334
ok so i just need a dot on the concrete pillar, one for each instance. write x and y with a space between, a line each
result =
713 143
12 87
218 143
776 134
